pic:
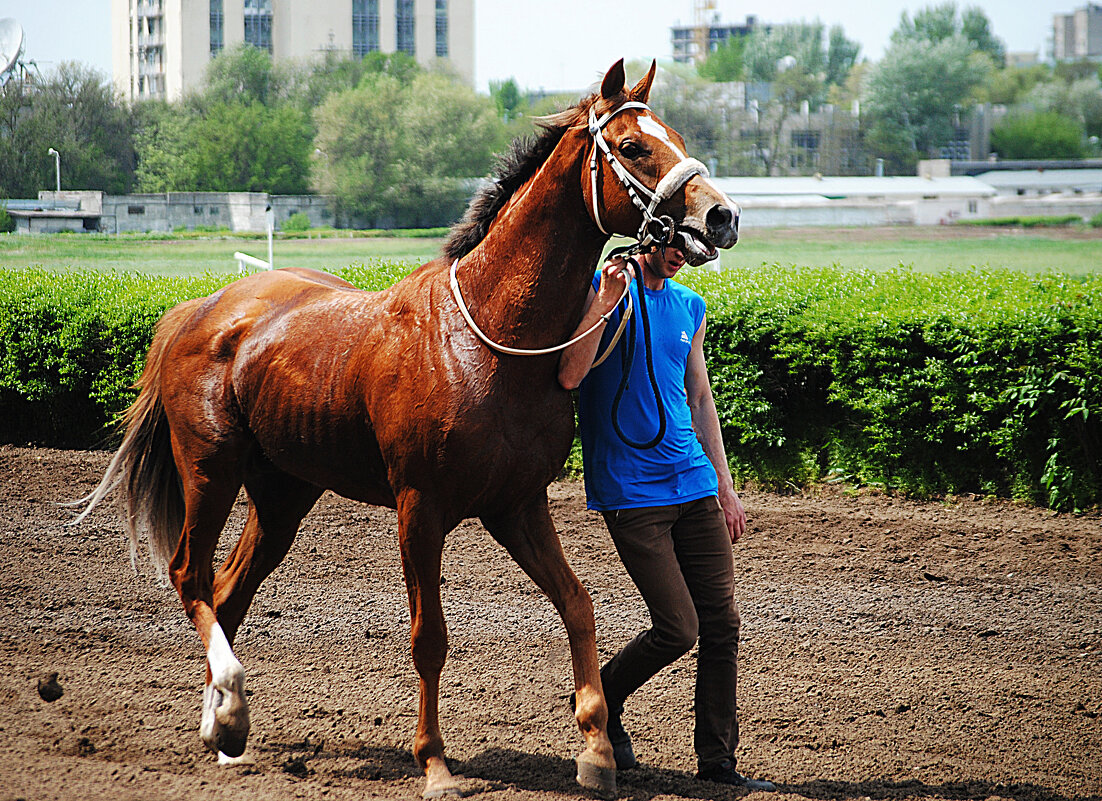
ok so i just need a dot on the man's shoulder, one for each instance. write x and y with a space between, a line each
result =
685 294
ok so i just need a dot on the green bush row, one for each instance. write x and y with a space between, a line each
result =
1028 221
981 381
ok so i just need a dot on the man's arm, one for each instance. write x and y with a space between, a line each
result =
706 425
575 361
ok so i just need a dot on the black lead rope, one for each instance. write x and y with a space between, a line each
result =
663 234
627 357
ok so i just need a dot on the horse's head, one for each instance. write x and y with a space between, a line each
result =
640 177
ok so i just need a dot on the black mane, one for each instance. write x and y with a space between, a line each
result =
519 163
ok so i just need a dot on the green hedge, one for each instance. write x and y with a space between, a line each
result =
981 381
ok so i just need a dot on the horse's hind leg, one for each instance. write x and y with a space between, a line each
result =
421 535
209 489
528 533
277 504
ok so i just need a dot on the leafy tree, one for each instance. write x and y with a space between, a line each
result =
976 28
162 139
309 84
239 147
1010 85
1040 135
940 22
242 74
726 62
400 153
74 111
1081 100
841 56
914 93
507 98
766 51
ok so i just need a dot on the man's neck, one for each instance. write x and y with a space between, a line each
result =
655 283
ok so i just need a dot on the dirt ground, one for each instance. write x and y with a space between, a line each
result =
891 649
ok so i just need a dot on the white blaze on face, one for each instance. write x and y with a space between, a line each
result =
649 125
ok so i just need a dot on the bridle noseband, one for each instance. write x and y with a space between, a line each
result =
653 230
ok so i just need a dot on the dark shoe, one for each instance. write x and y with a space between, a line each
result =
621 741
724 773
622 751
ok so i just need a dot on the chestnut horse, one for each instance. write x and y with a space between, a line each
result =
292 382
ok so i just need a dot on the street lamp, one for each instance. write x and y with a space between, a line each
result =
57 166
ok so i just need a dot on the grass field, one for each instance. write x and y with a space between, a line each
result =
1074 251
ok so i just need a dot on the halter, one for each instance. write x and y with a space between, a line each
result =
679 175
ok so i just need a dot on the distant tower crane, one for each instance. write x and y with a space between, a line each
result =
703 14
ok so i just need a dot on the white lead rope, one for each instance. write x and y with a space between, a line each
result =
543 351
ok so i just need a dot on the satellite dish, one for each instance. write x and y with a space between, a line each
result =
11 43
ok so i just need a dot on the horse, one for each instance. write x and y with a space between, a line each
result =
292 382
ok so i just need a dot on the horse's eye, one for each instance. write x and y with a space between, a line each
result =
631 150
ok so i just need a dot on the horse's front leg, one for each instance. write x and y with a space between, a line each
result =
421 534
529 535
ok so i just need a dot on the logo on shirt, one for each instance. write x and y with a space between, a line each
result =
685 337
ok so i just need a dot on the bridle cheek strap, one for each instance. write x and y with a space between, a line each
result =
680 174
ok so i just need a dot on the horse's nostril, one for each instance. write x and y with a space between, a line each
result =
718 217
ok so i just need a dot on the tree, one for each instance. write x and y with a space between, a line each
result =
841 56
400 153
938 23
1081 100
1010 85
725 63
507 98
250 147
915 92
1041 135
74 111
242 74
162 141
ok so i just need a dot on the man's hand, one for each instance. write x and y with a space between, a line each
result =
733 513
615 276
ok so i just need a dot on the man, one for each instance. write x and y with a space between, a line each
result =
671 508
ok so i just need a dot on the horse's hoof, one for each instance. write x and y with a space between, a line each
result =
227 761
224 727
596 779
229 743
443 791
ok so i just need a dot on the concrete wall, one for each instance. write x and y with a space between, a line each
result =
237 211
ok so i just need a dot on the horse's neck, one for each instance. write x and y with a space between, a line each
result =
528 278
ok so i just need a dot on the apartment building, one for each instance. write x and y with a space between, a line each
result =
1078 35
161 47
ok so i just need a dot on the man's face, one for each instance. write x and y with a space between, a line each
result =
665 263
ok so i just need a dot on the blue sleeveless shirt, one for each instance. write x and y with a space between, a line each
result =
676 470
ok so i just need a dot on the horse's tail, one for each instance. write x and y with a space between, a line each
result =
144 466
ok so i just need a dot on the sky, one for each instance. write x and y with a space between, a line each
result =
566 45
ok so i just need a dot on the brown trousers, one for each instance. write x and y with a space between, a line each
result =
681 560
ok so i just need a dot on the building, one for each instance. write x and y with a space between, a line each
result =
692 44
161 47
1078 35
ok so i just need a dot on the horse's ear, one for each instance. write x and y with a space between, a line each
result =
642 89
613 84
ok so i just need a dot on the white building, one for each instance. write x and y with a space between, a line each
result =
161 47
1078 35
